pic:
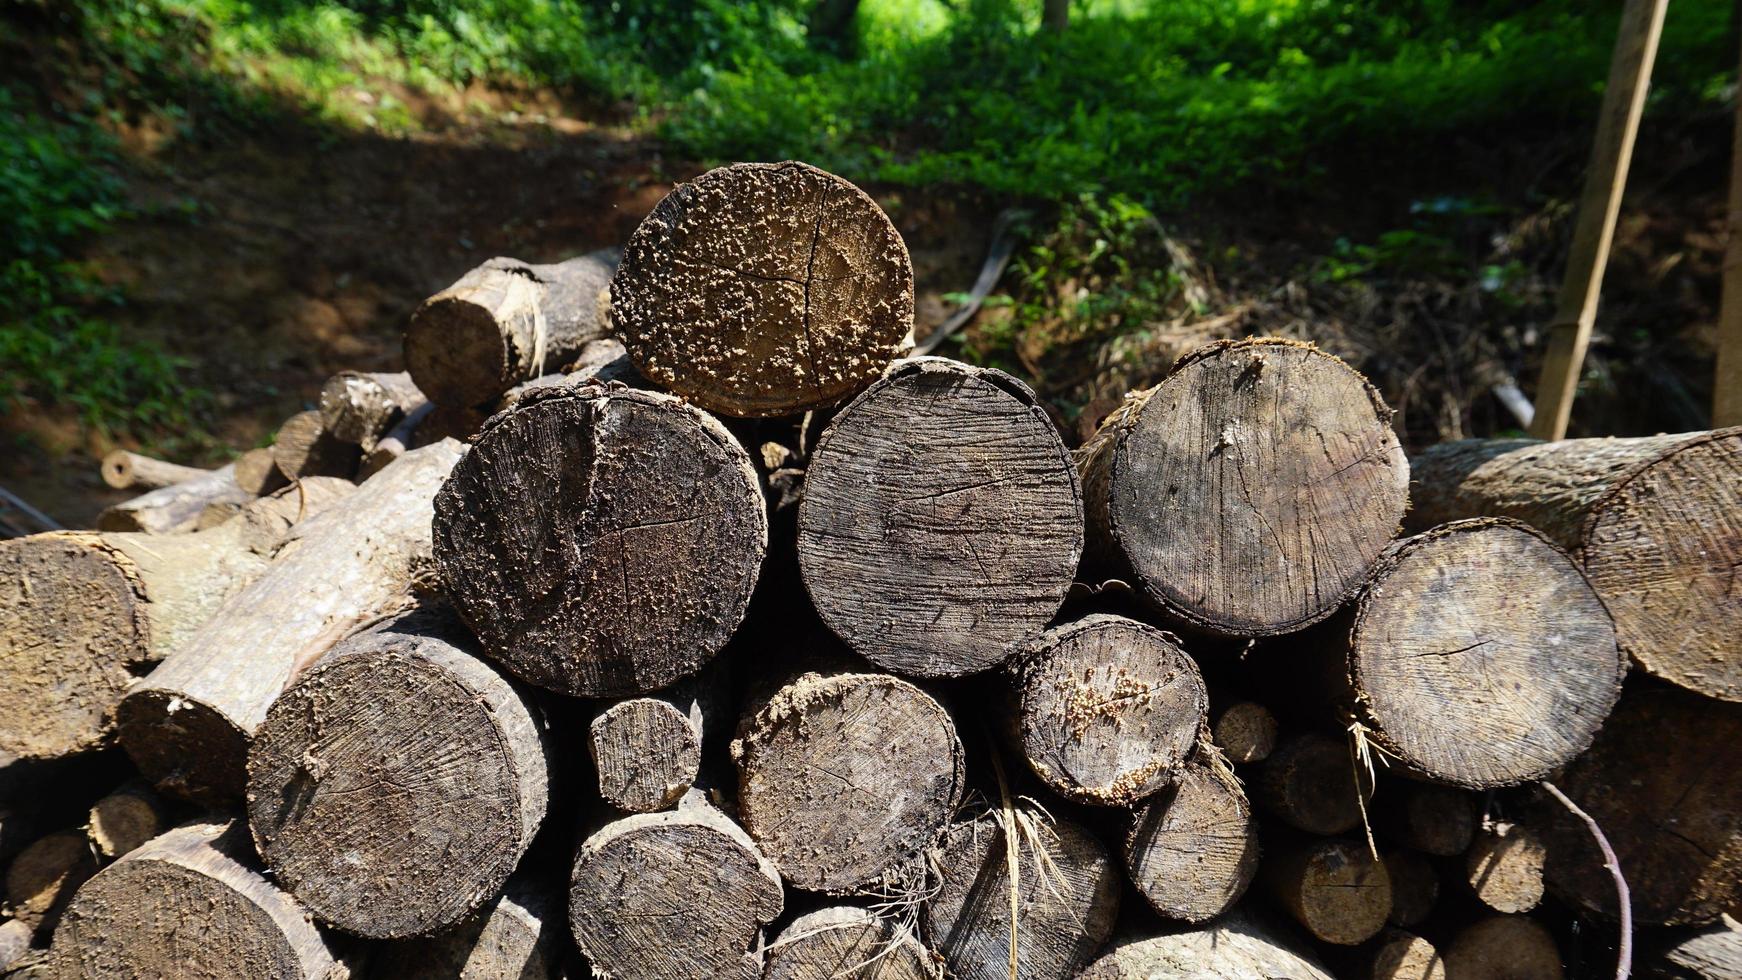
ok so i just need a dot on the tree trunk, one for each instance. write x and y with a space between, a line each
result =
1415 887
1332 887
941 523
361 408
1193 849
1664 781
1106 709
176 507
1504 868
1656 523
1229 521
396 783
305 448
125 819
1405 956
1479 655
515 936
1232 947
1309 783
505 322
847 941
1712 954
893 775
679 895
602 541
1246 732
42 878
1504 947
764 289
1067 898
1433 819
187 725
135 918
257 472
124 471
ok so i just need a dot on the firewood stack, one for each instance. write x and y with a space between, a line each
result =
666 622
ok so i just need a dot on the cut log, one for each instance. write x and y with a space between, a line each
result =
361 408
1228 521
1309 782
505 322
602 541
395 785
304 448
1405 956
1504 867
1656 522
125 819
137 918
393 445
679 895
15 936
257 472
1332 887
1714 953
1067 895
124 470
1107 709
1430 818
647 751
187 725
1234 948
764 289
42 878
1480 656
847 941
176 507
517 936
1664 781
1415 887
1505 947
1246 732
1193 848
941 522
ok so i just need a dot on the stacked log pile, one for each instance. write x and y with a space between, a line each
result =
663 621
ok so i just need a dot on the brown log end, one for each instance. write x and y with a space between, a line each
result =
125 819
1309 782
847 941
1193 849
1332 887
1404 956
1504 867
1246 732
43 877
304 447
1505 947
184 747
257 472
1233 947
647 753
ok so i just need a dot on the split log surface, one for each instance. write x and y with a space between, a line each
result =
125 819
187 725
846 941
1504 867
764 289
361 408
845 778
1193 848
1405 956
125 470
503 323
133 919
1235 947
679 895
1246 732
43 877
517 936
1310 783
395 785
1656 522
1479 655
176 507
304 447
1505 947
1229 521
1332 887
602 541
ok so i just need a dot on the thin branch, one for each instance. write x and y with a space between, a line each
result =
1624 957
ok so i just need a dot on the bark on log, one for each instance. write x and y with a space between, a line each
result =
304 447
1504 867
1193 848
1235 948
1664 781
15 936
1405 956
124 470
1309 782
1428 817
133 919
1656 522
125 819
395 785
1415 887
844 779
941 522
516 936
187 725
679 895
1246 732
42 878
1106 709
505 322
173 508
1332 887
257 472
1068 899
764 289
1479 655
1228 521
847 941
361 408
1505 947
602 541
1712 954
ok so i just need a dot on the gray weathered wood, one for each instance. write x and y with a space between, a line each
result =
361 408
847 941
125 470
1193 848
1234 947
176 507
1713 953
516 936
15 936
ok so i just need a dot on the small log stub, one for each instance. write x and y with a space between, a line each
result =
505 322
941 522
1415 887
1068 899
1193 848
1479 655
176 507
1332 887
187 725
137 917
1433 819
602 541
647 752
516 936
1405 956
43 877
304 447
124 470
125 819
1504 947
1309 782
1656 523
361 408
846 941
257 472
1504 867
1229 521
1107 708
763 289
1246 732
844 778
395 785
679 895
1664 781
1235 948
